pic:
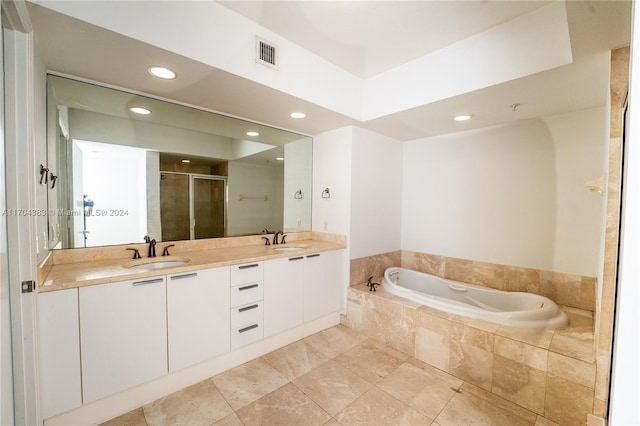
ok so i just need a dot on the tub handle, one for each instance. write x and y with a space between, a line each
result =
457 287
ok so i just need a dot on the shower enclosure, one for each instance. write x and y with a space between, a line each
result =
192 206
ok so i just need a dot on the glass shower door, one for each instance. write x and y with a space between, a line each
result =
208 207
174 206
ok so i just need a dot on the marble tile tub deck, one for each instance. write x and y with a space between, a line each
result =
550 373
334 377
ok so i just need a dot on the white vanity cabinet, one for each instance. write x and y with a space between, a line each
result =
321 271
283 294
197 316
123 335
246 303
59 351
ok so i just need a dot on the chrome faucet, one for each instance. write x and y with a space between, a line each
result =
275 237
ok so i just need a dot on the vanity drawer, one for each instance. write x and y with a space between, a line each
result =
246 315
246 293
246 273
247 334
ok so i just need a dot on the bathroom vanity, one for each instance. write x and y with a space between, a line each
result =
113 336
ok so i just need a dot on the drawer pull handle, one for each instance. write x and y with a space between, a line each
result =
314 255
246 308
145 282
179 277
253 265
248 287
296 258
251 327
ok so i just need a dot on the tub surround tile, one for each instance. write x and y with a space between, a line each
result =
433 348
472 336
511 364
565 289
538 338
285 406
332 386
365 267
248 382
521 352
566 402
379 408
519 383
200 404
580 372
471 364
422 262
574 342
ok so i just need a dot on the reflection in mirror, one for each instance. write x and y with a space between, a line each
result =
174 173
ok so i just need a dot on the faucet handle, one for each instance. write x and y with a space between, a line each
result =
136 253
282 241
165 252
266 241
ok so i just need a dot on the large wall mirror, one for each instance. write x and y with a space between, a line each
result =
122 166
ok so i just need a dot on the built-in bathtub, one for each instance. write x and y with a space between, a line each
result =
516 309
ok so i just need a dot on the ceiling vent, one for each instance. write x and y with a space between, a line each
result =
266 53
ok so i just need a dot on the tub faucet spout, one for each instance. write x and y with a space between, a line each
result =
371 284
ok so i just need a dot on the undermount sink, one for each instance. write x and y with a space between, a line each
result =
290 248
159 264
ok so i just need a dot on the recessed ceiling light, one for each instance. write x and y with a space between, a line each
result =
140 110
280 158
464 117
186 161
161 72
253 134
298 115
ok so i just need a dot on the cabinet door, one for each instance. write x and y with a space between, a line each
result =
283 294
197 316
123 331
320 284
59 351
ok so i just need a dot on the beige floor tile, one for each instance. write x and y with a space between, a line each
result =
371 360
541 421
132 418
248 382
335 340
470 410
419 388
285 406
376 407
499 402
231 420
200 404
296 359
332 386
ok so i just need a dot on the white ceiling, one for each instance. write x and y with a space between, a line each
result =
364 38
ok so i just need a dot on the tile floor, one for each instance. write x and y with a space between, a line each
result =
335 377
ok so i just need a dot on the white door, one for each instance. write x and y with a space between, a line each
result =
21 168
6 369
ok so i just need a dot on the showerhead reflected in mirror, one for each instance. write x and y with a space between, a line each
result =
173 173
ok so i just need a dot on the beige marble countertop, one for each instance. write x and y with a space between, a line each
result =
80 274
